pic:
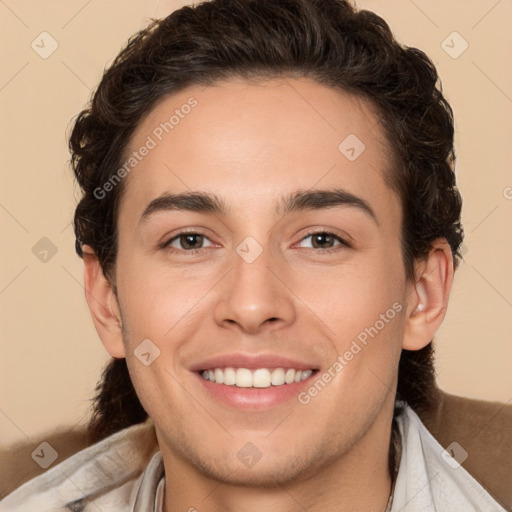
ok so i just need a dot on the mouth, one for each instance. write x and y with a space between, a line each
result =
252 382
260 378
253 389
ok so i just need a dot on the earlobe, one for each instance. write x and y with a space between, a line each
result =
428 299
103 305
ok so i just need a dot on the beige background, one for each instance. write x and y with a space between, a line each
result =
51 356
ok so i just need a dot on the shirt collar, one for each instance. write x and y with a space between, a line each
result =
430 479
427 480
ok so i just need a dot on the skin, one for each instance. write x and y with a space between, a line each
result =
251 144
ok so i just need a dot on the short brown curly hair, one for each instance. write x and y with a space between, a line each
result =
329 41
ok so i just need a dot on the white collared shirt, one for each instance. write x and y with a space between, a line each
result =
125 473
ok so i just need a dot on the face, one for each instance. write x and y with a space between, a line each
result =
259 247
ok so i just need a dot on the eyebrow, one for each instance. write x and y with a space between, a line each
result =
201 202
324 199
187 201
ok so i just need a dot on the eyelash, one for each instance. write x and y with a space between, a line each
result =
342 241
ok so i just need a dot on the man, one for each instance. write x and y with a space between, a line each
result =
269 226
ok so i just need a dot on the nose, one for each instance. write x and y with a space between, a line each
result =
254 296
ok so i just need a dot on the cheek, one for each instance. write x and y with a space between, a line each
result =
352 298
152 383
363 306
367 326
158 300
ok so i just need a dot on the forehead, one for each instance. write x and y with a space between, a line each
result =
255 141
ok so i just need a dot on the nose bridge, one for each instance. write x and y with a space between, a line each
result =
252 295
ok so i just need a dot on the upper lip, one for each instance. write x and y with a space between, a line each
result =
251 362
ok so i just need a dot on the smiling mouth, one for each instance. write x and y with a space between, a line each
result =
257 378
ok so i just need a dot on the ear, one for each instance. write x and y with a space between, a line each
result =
103 304
428 297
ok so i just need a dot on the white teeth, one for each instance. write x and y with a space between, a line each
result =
259 378
219 375
277 377
306 374
229 376
290 376
243 378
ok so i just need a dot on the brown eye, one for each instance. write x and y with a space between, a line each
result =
323 240
191 241
188 242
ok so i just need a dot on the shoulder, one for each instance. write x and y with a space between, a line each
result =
114 463
483 431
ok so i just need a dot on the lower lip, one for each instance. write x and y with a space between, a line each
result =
254 398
